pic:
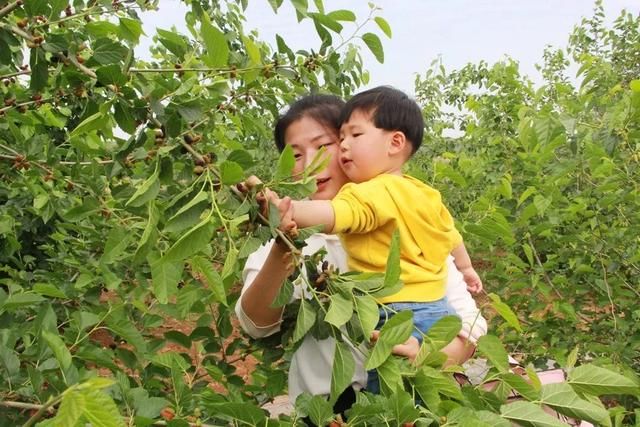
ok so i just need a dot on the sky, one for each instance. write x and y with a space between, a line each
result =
454 31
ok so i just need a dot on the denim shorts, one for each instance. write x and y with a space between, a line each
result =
425 314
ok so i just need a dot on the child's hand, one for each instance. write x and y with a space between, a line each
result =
471 278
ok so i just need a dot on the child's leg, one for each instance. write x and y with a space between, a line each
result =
425 314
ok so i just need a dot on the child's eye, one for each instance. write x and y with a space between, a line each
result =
297 156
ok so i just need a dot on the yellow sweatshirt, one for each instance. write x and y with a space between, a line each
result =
367 214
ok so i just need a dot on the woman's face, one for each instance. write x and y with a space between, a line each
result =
306 136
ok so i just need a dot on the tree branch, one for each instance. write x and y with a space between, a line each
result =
25 104
17 31
17 73
9 8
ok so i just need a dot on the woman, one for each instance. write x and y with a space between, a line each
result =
310 124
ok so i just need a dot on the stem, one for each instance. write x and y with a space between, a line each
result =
9 8
606 282
17 31
222 218
17 73
206 69
544 273
51 402
25 104
19 405
79 66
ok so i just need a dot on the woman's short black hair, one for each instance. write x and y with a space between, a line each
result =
324 109
390 109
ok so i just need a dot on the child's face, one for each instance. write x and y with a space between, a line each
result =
364 148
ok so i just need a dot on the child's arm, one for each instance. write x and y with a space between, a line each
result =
463 263
306 213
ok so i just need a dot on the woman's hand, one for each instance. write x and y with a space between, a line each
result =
408 349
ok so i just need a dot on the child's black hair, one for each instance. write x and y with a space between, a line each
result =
390 109
325 109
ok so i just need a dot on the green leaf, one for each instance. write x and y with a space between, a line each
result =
94 122
319 410
36 7
150 231
367 313
518 383
111 75
60 350
231 172
343 369
146 192
594 380
443 383
117 242
246 413
49 290
443 332
165 276
284 294
39 70
327 22
19 300
505 311
301 6
527 414
403 407
125 328
342 15
566 401
130 29
275 4
375 46
395 331
100 409
634 85
212 279
175 43
190 243
340 310
106 51
124 117
252 50
217 50
384 25
286 162
101 28
390 376
71 409
492 348
305 320
392 274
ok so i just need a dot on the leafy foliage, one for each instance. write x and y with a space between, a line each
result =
544 182
121 234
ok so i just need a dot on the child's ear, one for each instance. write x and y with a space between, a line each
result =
398 143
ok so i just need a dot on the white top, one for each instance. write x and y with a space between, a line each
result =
312 362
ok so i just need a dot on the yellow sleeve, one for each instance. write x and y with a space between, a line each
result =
360 208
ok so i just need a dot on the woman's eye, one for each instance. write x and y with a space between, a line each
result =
297 156
355 135
328 144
